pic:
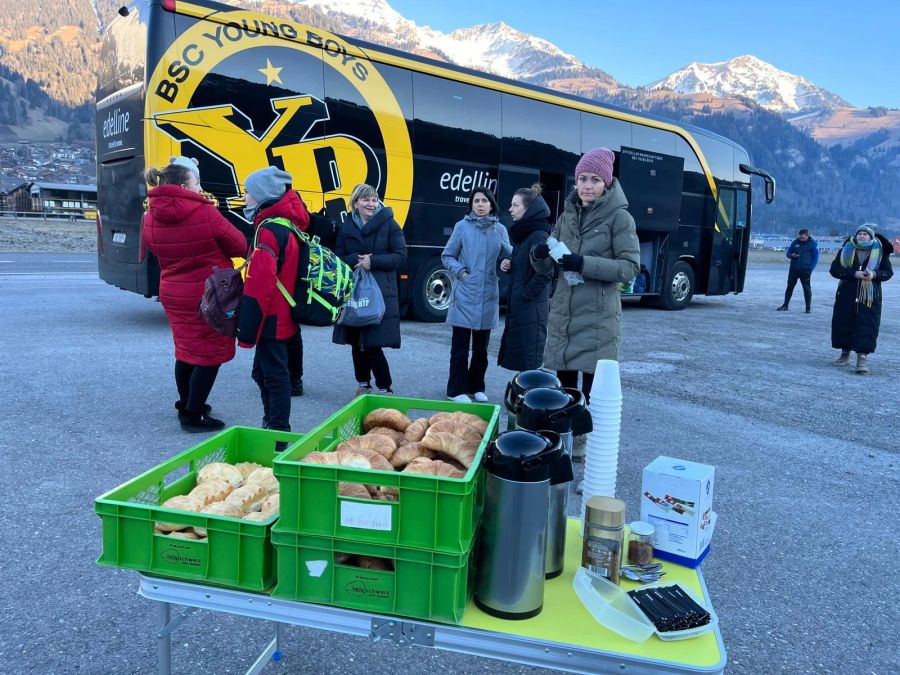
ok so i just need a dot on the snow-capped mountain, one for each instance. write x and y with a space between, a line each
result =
753 78
496 48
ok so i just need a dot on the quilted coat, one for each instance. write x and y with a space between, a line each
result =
189 236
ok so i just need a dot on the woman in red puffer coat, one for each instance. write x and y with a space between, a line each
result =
188 235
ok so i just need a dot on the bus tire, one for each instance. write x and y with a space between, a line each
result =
431 292
679 287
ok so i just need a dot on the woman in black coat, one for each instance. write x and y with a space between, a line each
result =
528 302
371 239
861 266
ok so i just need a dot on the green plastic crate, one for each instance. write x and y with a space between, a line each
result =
236 553
437 514
424 584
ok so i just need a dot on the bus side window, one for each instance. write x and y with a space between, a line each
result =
608 132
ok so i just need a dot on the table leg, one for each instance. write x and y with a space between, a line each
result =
164 640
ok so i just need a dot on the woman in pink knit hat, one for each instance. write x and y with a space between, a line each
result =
585 311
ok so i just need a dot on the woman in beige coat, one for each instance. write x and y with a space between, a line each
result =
598 230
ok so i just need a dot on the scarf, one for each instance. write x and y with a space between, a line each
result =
482 222
855 250
358 221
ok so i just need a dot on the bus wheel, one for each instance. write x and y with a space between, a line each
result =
431 292
679 289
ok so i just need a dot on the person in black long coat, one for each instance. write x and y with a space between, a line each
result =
528 302
371 239
861 266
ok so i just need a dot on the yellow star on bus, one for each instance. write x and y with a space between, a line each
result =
271 73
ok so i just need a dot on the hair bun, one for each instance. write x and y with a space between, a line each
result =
537 189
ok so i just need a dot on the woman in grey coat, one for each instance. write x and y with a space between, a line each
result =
471 257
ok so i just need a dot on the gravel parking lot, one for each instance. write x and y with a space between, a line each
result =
803 564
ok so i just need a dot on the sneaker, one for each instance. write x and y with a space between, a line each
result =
579 448
462 398
363 388
480 396
386 392
179 406
579 487
297 387
862 367
843 359
783 308
197 424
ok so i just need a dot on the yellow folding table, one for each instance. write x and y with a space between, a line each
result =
563 636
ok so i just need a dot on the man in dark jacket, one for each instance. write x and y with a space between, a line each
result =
265 318
804 255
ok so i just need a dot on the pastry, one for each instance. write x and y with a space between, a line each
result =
452 446
272 504
415 431
264 476
354 490
393 434
210 491
436 467
386 417
369 562
219 509
226 472
467 418
383 445
328 458
185 534
377 461
459 429
181 503
258 516
248 497
406 453
246 468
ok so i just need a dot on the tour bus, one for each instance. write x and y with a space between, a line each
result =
239 90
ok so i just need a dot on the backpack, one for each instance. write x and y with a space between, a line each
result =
220 303
324 281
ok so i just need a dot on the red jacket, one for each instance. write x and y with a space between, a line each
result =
265 313
189 236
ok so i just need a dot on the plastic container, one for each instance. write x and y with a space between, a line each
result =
236 553
424 584
614 609
437 514
611 607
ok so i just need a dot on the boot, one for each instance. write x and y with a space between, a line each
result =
197 423
843 359
179 406
783 308
861 366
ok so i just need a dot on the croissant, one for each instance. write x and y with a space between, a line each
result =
381 444
386 417
452 446
435 467
181 503
354 490
223 471
466 418
219 509
393 434
415 431
246 468
210 491
376 461
265 477
248 497
322 458
459 429
406 453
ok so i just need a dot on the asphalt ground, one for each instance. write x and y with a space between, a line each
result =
803 565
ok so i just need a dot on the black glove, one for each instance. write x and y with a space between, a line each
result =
541 251
572 262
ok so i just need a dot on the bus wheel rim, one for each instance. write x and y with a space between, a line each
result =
681 286
437 290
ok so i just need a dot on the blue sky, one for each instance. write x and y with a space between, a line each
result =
850 48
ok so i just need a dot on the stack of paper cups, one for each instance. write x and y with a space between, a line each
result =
602 454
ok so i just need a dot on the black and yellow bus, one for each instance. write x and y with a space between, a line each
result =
239 90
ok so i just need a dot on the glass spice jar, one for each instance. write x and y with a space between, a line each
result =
604 537
640 543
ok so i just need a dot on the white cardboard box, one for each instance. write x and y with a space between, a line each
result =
676 498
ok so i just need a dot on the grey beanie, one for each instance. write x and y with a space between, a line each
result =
865 227
267 184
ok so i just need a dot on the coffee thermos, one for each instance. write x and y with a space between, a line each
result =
519 466
522 382
564 412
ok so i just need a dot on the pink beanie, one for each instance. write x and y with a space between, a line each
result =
599 161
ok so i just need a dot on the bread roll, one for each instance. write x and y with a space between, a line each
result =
247 497
271 504
219 509
211 491
246 468
185 534
181 503
258 516
265 477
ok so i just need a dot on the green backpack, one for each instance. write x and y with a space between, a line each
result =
324 281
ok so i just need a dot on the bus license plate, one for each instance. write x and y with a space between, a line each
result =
119 237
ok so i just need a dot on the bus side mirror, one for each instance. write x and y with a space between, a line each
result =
770 190
765 175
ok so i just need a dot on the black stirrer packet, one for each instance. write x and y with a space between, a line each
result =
670 608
